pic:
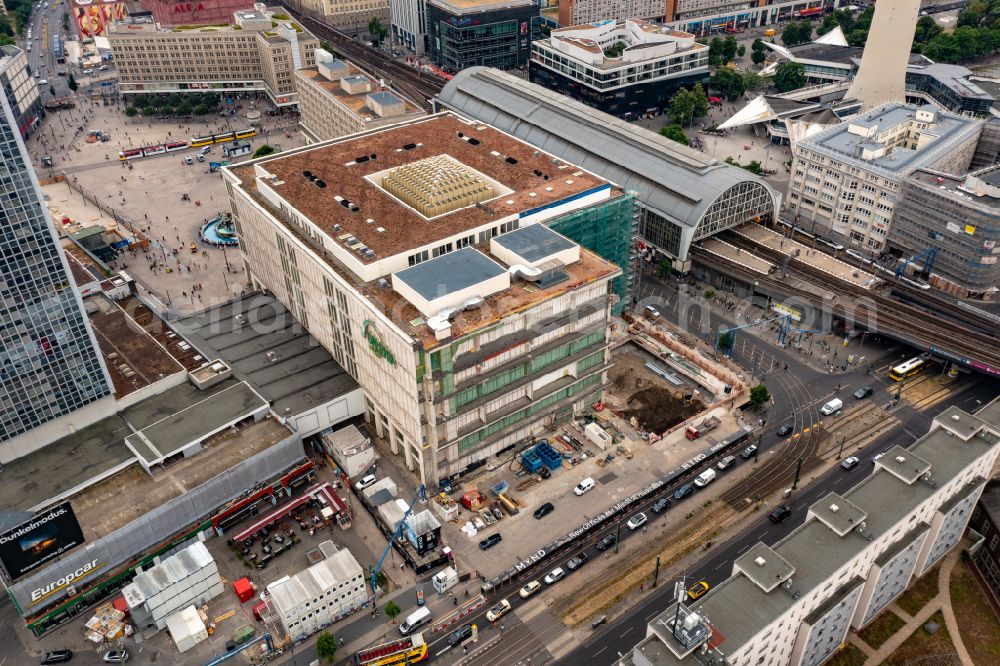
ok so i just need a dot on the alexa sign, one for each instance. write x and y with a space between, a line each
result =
375 342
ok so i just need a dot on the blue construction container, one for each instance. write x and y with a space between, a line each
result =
550 458
531 461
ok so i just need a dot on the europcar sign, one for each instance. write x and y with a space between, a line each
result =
40 539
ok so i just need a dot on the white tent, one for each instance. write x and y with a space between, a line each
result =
757 111
834 38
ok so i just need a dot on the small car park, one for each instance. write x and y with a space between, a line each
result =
637 521
863 392
366 480
498 611
577 562
850 463
460 635
683 491
544 510
529 589
697 590
780 513
584 486
785 430
660 505
554 576
607 542
490 541
749 452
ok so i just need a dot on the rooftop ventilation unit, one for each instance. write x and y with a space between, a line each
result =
320 184
336 228
511 160
359 160
760 561
272 356
382 283
409 146
900 459
834 508
307 174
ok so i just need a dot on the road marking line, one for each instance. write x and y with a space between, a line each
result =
624 633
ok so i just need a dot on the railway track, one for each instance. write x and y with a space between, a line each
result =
416 84
908 322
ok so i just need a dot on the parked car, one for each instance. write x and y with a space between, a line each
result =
490 541
460 635
726 462
365 480
697 590
785 430
749 452
584 486
878 457
780 513
201 158
863 392
544 510
577 562
57 657
850 463
116 657
529 589
554 576
608 541
187 160
498 611
660 505
636 521
683 491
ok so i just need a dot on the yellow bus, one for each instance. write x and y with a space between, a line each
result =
908 369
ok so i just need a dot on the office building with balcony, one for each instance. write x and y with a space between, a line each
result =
792 603
626 68
256 53
845 180
455 271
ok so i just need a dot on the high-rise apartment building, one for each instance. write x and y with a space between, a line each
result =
792 603
49 362
440 262
260 51
845 180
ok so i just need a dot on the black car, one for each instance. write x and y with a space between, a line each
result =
460 635
231 645
863 392
577 562
749 452
785 430
660 505
490 541
57 657
683 491
780 513
608 541
544 510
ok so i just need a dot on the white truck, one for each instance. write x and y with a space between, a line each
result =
831 407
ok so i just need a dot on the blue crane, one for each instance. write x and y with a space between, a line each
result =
422 495
726 345
928 255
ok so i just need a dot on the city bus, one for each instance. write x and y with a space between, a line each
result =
404 651
908 369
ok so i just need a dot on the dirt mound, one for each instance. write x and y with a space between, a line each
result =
657 409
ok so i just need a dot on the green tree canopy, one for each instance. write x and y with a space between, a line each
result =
377 30
682 107
729 48
71 82
796 32
741 50
675 133
927 29
149 110
715 49
700 99
392 610
263 150
727 83
758 57
326 646
759 395
789 76
131 112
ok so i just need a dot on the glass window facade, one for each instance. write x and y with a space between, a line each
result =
49 364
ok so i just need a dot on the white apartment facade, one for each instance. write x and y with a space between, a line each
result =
794 602
348 16
257 53
319 596
456 358
336 99
845 181
409 24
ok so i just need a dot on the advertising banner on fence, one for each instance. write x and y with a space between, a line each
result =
40 539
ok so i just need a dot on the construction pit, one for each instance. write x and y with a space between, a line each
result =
643 417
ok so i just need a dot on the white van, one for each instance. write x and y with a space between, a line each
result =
705 478
584 486
418 617
831 407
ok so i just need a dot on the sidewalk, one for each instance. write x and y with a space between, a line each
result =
942 602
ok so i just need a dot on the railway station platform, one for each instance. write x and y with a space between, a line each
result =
816 258
742 257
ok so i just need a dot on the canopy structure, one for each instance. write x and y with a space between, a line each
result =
834 38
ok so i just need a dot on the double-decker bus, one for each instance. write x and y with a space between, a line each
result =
404 651
908 369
